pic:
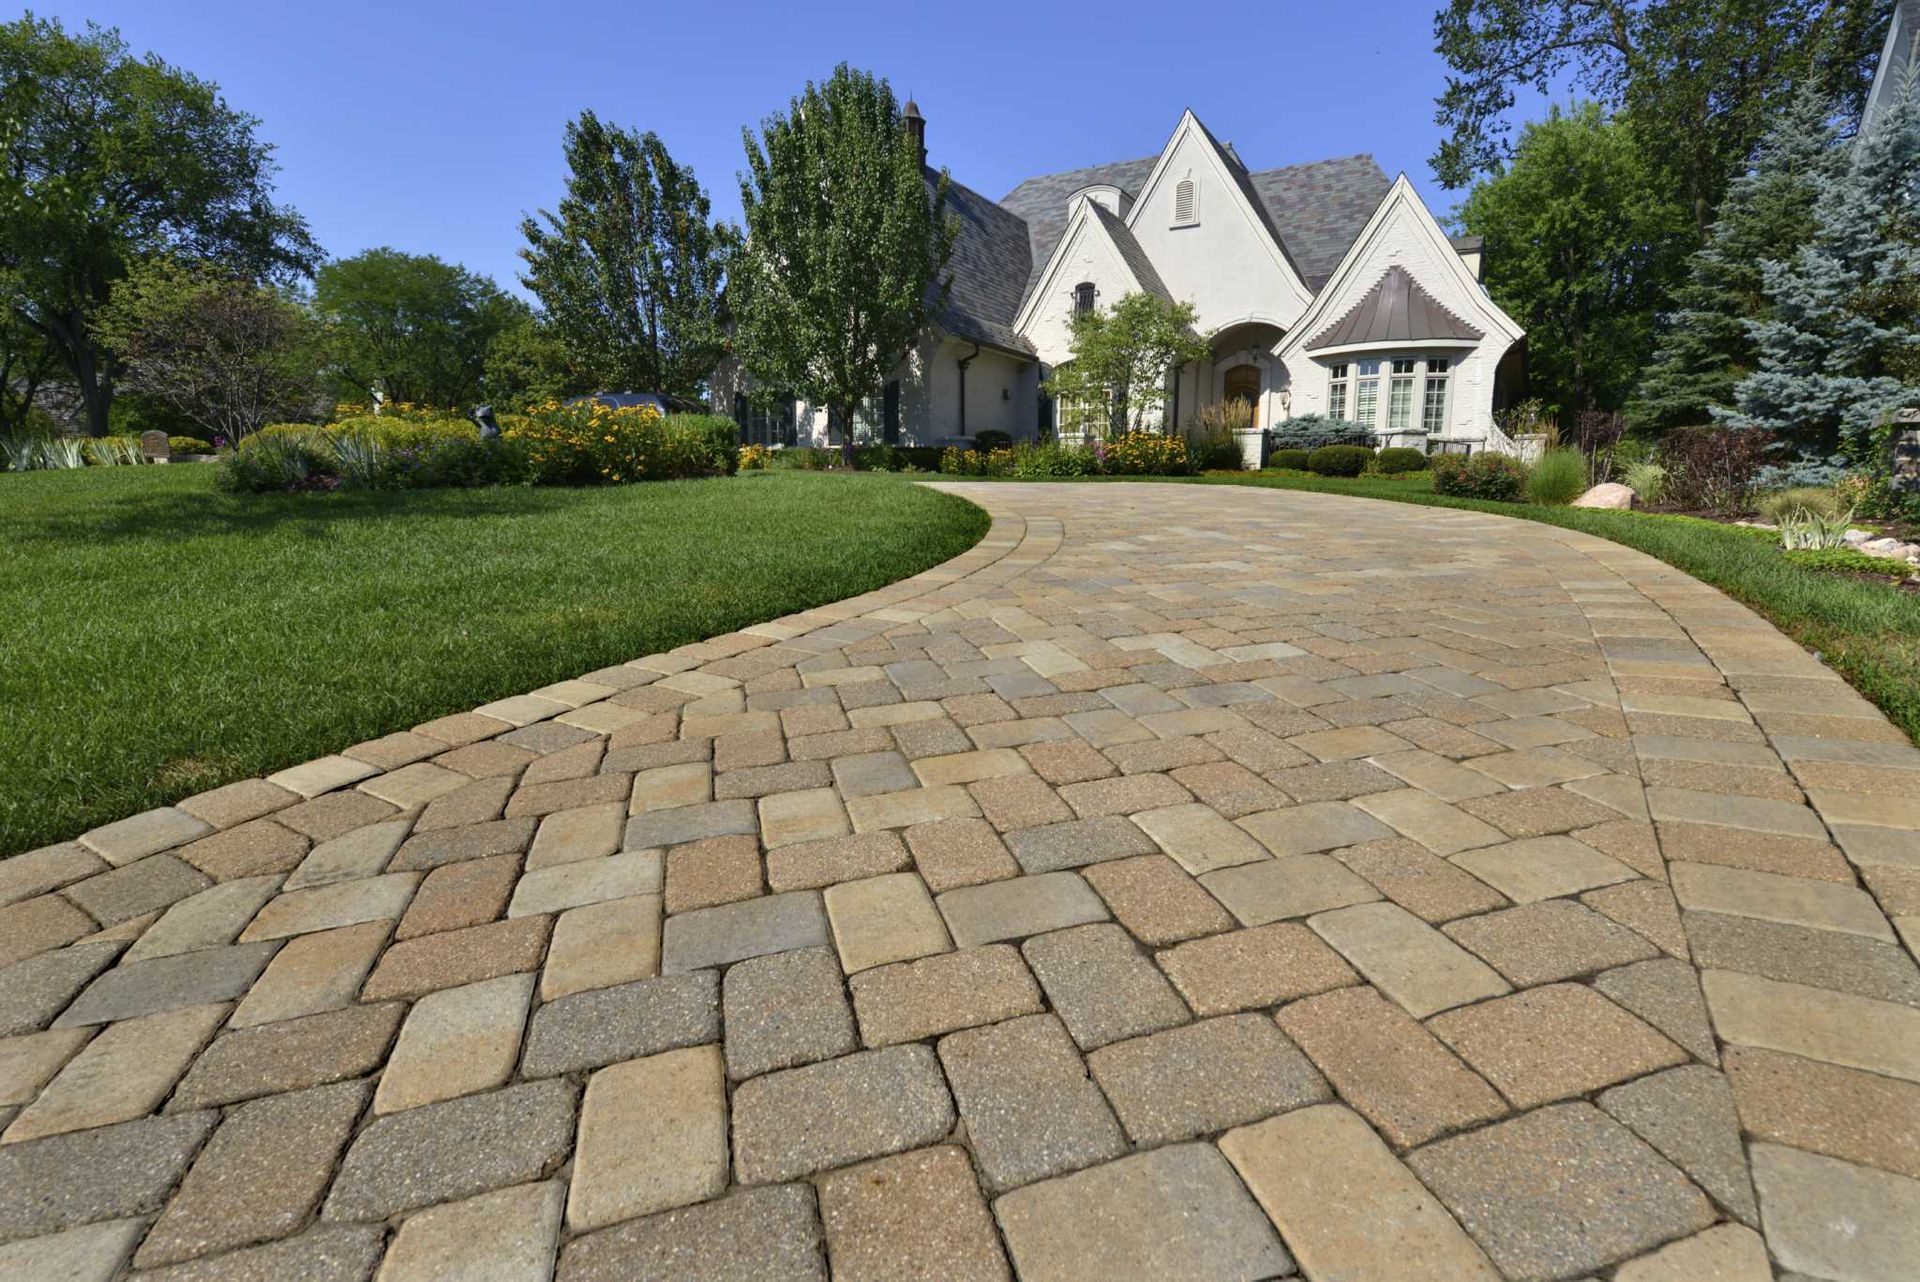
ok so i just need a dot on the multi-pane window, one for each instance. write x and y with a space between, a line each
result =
1433 412
1400 396
1337 393
1366 393
1083 297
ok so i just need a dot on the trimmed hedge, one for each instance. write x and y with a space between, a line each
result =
1398 459
1339 460
1290 460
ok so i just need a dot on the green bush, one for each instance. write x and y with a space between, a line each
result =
1311 431
1400 458
1290 460
721 434
1038 462
1846 559
1478 476
1144 454
188 445
1558 477
1646 478
1339 460
989 441
1820 500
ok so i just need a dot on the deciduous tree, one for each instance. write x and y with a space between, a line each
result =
846 247
631 268
109 159
414 327
1123 360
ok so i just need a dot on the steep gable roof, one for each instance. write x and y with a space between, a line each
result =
1137 261
989 268
1395 310
1042 202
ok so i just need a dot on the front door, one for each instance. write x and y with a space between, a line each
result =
1242 383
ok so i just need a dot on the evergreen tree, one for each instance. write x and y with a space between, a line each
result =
1842 348
1768 214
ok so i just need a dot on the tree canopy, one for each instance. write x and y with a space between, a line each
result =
631 268
410 325
1700 79
1582 245
110 159
846 238
1123 359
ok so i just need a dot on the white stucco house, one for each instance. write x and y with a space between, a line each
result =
1321 288
1899 62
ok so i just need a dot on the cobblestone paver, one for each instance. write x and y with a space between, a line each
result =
1186 882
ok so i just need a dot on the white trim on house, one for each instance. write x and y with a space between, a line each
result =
1078 225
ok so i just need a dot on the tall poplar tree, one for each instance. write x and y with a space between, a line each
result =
630 269
846 245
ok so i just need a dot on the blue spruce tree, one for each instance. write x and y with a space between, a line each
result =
1768 212
1841 350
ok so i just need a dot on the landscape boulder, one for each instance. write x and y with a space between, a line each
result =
1612 494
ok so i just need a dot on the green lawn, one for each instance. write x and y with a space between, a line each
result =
1868 632
158 637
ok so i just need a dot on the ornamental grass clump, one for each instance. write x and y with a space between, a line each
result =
1558 477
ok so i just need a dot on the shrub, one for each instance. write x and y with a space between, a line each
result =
1478 476
188 445
1847 559
1291 460
1311 431
1715 468
1558 477
1339 460
1820 500
1146 454
280 460
805 458
918 458
1646 479
989 441
1035 462
1398 459
1802 529
721 433
753 458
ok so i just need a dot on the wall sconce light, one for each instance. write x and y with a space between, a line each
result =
1006 394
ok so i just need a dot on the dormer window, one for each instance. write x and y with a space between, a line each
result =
1083 297
1186 205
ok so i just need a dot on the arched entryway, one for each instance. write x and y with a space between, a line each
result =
1243 383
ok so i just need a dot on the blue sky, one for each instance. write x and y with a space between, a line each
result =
434 126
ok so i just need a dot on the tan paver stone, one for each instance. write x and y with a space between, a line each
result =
486 759
762 781
1383 1063
1435 774
324 774
1349 743
207 920
1029 1109
1679 805
587 832
36 925
391 752
459 895
915 1000
1534 767
256 848
1687 1114
808 865
653 1136
347 903
587 881
505 1236
313 973
884 919
1665 993
1252 968
1101 985
138 988
1175 1212
917 1215
771 1230
1797 901
1543 868
1020 907
785 1010
479 802
148 833
750 928
1646 907
1824 1108
970 767
814 814
260 1176
462 728
364 852
1547 941
1017 801
27 1062
1426 819
289 1056
599 945
132 890
1554 1042
36 872
1204 1077
605 1025
1419 880
1156 900
1345 1204
1836 1028
1077 843
667 787
717 870
414 785
1065 761
1836 1220
237 803
1724 1253
802 1120
88 1253
1322 825
1560 1192
1199 837
455 1042
1295 886
959 852
1408 960
122 1074
414 967
521 710
1125 796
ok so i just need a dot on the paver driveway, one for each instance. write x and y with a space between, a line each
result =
1186 882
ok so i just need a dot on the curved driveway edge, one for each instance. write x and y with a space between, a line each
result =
1185 881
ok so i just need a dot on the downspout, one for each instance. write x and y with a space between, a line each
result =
963 362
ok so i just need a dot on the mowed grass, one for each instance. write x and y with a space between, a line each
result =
1868 632
158 638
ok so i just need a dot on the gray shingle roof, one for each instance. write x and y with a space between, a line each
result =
1137 261
1395 310
1042 201
989 268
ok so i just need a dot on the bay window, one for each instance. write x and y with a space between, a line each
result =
1366 393
1414 384
1433 412
1400 396
1337 393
